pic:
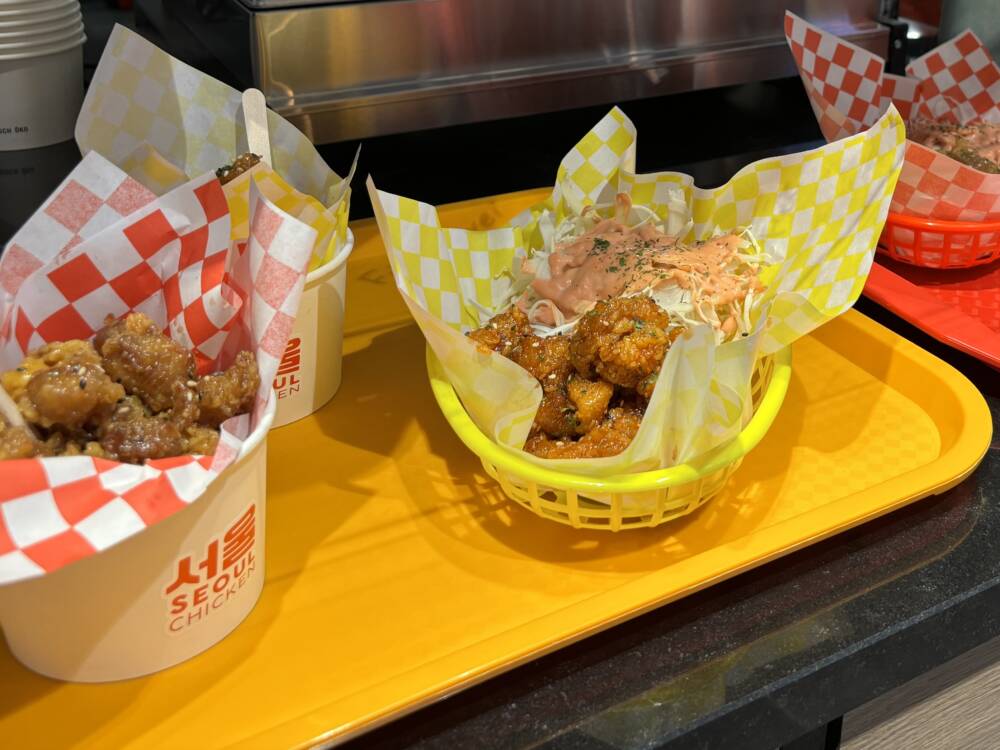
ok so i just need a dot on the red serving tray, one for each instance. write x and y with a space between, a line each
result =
960 307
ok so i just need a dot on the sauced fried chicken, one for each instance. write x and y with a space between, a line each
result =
200 440
230 392
137 354
623 340
503 332
609 438
595 382
71 396
17 442
242 163
131 396
545 358
132 436
591 399
46 357
63 385
556 415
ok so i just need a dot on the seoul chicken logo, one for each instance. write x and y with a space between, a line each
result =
287 380
225 566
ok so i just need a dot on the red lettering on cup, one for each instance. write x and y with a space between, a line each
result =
239 538
286 381
224 566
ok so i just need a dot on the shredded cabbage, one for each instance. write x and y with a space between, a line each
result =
686 307
678 301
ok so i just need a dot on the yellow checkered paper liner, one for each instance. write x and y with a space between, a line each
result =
817 214
142 101
147 166
330 223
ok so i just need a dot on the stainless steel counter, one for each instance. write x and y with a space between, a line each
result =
347 70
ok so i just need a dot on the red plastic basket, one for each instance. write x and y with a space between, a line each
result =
932 243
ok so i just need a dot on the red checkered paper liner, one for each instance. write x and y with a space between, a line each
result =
173 261
95 195
959 81
956 82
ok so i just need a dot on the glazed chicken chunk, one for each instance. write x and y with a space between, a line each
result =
230 392
623 340
503 332
243 163
137 354
595 382
609 438
134 435
17 442
590 399
130 396
63 385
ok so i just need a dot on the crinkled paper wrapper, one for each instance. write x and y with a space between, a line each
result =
163 122
956 82
818 214
104 244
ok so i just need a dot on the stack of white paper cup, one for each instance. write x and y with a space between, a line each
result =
41 71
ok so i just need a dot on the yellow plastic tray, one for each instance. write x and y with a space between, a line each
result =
398 572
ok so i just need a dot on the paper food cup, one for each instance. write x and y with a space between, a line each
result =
15 40
35 23
24 36
38 35
42 91
33 8
310 370
157 598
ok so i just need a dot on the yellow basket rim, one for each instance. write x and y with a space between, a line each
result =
704 465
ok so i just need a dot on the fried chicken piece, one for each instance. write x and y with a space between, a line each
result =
545 358
242 163
71 396
74 351
591 399
623 340
80 448
139 356
155 411
646 385
541 445
200 440
609 438
17 442
228 393
556 415
615 433
185 409
502 333
137 440
133 435
62 384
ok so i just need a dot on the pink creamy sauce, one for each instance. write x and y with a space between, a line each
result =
612 260
981 138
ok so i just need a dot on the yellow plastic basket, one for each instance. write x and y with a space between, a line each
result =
625 501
